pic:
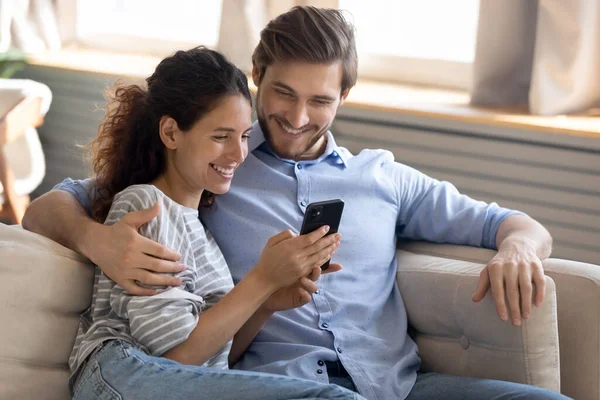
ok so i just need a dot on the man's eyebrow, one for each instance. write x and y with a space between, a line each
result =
282 85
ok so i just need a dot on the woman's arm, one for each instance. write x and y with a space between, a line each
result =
286 259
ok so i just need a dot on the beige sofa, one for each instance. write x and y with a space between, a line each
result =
44 287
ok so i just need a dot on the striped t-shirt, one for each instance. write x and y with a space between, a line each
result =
160 322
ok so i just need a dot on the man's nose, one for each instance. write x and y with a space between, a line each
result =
298 116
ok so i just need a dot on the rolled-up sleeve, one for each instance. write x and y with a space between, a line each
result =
158 322
83 190
435 211
166 319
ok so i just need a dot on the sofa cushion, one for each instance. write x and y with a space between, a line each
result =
457 336
44 288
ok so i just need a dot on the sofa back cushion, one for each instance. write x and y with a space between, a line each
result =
43 288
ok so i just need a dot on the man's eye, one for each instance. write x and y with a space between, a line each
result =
285 94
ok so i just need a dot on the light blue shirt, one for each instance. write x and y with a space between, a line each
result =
357 316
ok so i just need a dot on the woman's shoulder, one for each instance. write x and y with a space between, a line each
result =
139 196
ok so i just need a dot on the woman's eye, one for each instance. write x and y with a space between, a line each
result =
220 137
246 137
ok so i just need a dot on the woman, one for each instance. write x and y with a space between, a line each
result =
175 146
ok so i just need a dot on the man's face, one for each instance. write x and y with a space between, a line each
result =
296 104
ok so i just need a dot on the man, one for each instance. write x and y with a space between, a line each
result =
354 332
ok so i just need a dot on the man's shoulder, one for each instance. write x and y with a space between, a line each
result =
375 158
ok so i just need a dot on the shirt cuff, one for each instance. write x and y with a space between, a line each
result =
79 189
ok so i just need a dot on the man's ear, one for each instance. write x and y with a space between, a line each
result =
256 75
345 94
167 128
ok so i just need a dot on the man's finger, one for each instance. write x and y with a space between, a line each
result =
136 290
497 286
161 266
141 217
483 285
154 249
154 279
526 289
539 280
511 276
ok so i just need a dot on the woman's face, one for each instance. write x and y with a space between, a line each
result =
206 156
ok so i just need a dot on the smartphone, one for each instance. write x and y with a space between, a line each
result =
323 213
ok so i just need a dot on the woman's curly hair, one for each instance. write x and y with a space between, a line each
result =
128 149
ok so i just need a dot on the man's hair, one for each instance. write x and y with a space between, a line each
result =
312 35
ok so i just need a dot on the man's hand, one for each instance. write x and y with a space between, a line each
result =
299 293
127 257
514 268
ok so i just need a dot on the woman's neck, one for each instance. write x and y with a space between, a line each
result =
177 191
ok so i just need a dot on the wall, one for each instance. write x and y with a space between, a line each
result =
553 178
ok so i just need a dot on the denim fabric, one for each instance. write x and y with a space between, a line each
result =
448 387
121 371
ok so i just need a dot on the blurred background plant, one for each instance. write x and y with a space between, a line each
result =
11 62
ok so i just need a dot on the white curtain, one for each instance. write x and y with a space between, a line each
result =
239 32
544 54
29 25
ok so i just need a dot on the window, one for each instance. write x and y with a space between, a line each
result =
149 26
430 42
421 42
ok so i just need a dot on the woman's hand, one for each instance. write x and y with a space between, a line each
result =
288 257
299 293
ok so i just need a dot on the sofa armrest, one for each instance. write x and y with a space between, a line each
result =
578 308
457 336
44 287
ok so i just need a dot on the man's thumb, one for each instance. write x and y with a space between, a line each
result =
141 217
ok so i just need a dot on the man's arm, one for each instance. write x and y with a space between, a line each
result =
58 216
522 243
119 250
436 211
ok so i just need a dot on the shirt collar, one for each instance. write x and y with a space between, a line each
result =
257 141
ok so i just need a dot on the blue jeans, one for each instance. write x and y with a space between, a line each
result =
431 385
120 370
438 386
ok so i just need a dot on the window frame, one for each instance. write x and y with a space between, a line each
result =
393 69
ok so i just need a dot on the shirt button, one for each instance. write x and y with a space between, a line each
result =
325 325
339 349
298 166
321 363
319 371
303 203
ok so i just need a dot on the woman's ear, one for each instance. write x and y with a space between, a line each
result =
167 128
